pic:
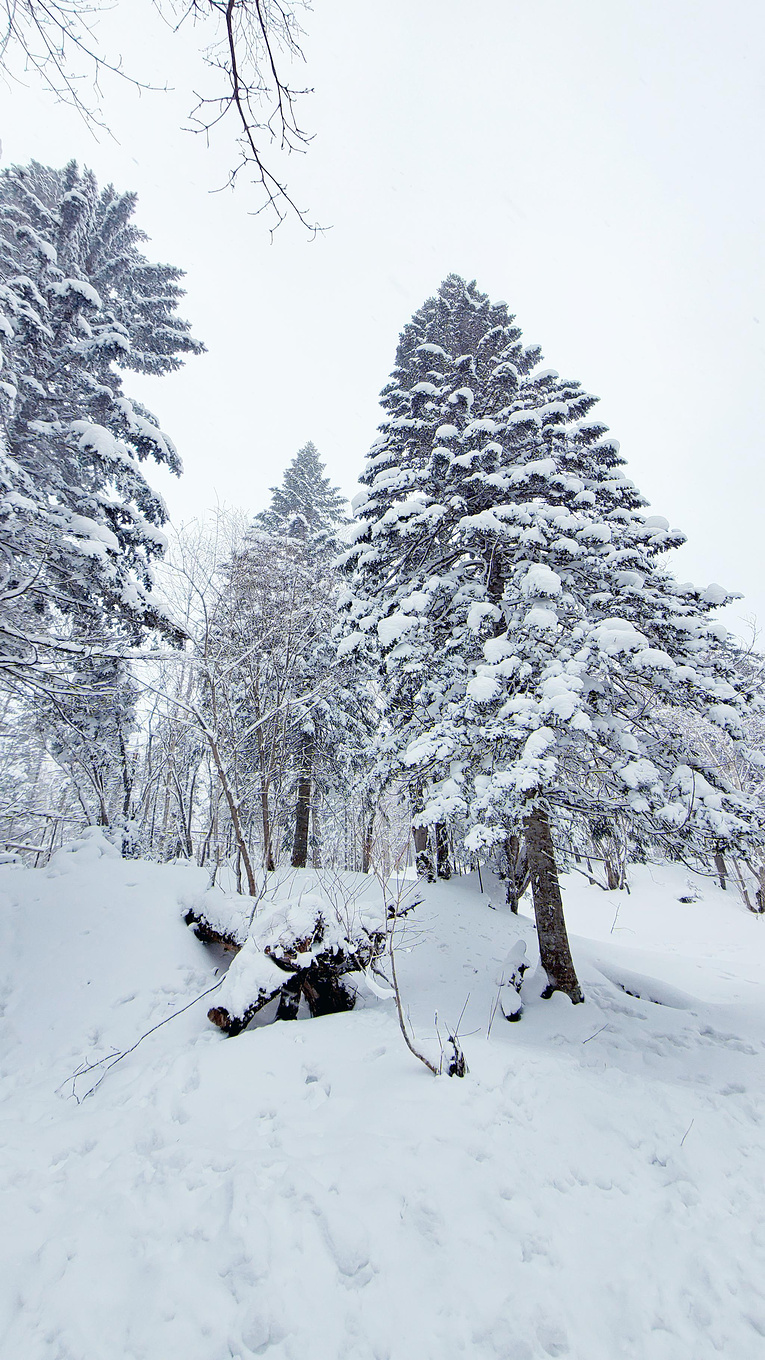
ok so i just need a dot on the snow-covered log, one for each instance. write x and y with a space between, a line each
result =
298 947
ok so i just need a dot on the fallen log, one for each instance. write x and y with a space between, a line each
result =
298 938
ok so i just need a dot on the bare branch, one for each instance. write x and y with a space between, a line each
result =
251 43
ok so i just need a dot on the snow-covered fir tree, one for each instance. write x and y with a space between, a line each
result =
79 303
292 719
305 505
327 734
453 340
533 642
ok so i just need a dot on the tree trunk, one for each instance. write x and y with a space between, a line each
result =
166 813
268 852
554 948
721 868
613 877
303 805
443 862
422 857
315 834
367 832
758 870
127 783
252 886
265 779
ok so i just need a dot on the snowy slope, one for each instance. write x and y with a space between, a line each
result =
591 1190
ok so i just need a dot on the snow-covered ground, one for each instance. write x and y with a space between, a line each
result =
308 1191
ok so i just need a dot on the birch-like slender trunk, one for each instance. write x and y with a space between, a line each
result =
236 821
315 832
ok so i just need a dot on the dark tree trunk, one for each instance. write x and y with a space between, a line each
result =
613 877
443 861
721 868
367 838
554 948
758 872
127 784
422 856
303 805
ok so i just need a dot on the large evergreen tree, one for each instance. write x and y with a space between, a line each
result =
534 644
79 523
455 359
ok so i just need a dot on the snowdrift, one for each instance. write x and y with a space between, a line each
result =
591 1190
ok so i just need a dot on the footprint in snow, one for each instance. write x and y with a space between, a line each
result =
552 1339
191 1083
318 1089
729 1040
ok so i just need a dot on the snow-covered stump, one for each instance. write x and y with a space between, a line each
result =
510 981
298 948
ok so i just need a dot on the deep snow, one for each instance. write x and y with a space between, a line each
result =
592 1190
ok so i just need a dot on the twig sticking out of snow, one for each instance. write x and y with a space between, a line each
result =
400 1012
112 1059
456 1064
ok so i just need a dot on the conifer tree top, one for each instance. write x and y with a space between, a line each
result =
457 319
306 505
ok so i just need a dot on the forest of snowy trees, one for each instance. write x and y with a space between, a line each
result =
348 679
487 662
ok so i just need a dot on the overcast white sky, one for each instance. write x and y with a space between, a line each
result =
596 163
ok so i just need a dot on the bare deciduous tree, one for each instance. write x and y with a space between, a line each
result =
248 45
